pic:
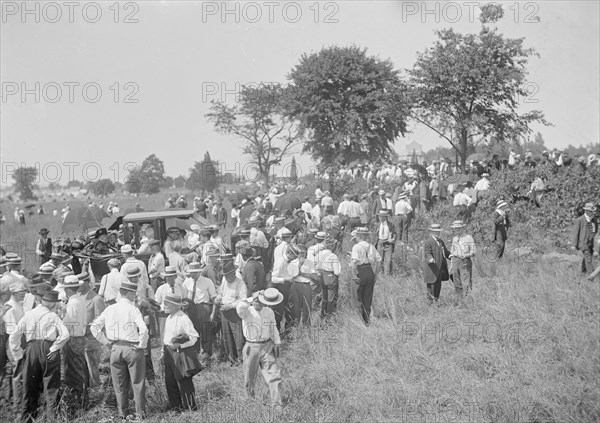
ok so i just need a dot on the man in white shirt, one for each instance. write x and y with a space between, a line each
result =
365 264
131 262
122 327
262 342
231 291
303 272
483 184
461 253
329 268
200 294
76 371
46 335
403 216
111 282
316 213
462 202
171 286
156 265
179 334
11 319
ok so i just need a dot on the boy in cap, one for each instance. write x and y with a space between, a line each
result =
12 316
179 333
122 327
200 294
45 335
262 342
75 319
95 305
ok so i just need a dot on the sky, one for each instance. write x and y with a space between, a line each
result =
90 90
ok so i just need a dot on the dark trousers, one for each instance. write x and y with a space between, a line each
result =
586 262
128 369
462 275
76 371
354 222
364 291
283 309
40 375
330 287
181 393
402 226
199 314
233 338
433 290
386 251
301 297
500 244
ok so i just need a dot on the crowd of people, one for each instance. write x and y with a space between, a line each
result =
203 297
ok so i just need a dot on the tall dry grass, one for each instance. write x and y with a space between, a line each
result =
524 348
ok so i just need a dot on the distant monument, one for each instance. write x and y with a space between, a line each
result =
411 152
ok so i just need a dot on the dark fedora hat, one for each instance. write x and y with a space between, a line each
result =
51 297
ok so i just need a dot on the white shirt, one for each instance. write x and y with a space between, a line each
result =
38 324
165 289
353 210
133 262
205 290
258 325
110 285
326 260
122 322
462 199
482 185
364 253
403 207
258 238
178 324
156 265
76 316
343 208
232 292
11 319
384 231
294 270
307 207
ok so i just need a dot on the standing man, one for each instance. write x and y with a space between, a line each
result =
179 334
435 266
462 250
253 273
76 372
132 263
282 280
43 247
403 217
171 286
12 317
111 282
156 265
329 268
94 307
364 266
200 294
501 226
582 238
229 294
262 342
303 272
385 241
45 335
221 215
121 326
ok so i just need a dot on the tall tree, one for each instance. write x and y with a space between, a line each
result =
148 177
354 106
258 119
103 187
204 175
24 182
470 86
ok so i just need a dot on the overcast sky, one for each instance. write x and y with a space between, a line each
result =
174 57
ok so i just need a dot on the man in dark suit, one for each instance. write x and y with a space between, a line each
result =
435 267
44 246
501 226
584 230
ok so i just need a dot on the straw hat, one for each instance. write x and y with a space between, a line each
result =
435 227
270 297
457 224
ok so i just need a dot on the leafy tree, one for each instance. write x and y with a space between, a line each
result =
148 177
103 187
53 186
470 86
74 183
179 182
259 120
354 106
24 182
204 175
168 182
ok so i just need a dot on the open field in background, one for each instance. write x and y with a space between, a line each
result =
524 349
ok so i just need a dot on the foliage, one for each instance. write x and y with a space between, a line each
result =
24 182
147 178
74 183
179 182
258 118
353 105
103 187
204 175
168 182
469 86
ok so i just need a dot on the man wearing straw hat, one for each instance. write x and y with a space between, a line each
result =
94 307
403 212
132 263
303 272
171 286
501 226
582 236
262 342
231 291
122 327
156 265
11 319
329 268
179 333
75 319
435 266
364 265
45 335
385 240
461 253
200 294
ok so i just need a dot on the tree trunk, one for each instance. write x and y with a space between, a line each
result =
265 176
463 148
331 183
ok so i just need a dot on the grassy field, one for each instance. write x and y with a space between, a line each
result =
525 348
